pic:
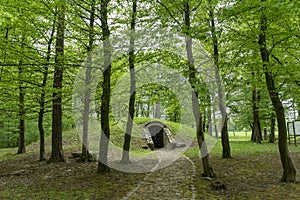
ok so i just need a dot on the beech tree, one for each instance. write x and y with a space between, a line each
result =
57 148
254 47
221 93
106 91
131 105
21 146
207 168
289 171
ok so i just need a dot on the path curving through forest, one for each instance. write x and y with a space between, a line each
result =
175 181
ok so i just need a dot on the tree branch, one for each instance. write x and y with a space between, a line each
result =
170 13
197 6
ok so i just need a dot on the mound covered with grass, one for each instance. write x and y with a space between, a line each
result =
253 173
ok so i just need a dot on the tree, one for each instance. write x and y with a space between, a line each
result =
221 93
127 138
106 91
21 146
57 149
42 100
208 170
85 155
272 128
289 171
256 127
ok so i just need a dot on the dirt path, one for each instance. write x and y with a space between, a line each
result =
175 181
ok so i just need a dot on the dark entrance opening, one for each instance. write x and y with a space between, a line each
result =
157 135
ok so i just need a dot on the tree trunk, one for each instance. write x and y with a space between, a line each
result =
157 110
57 150
41 127
221 93
289 171
21 145
209 123
148 109
127 138
43 95
21 139
105 98
85 155
207 168
272 129
137 110
215 125
265 133
256 132
41 114
204 121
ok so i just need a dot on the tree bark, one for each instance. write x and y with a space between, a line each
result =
157 110
127 138
209 121
256 130
221 93
204 121
41 116
137 110
57 149
207 168
215 125
43 95
272 129
85 155
105 98
289 171
21 141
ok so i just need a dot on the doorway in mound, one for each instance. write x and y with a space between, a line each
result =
157 138
157 135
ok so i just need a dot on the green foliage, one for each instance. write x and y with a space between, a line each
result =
9 132
25 31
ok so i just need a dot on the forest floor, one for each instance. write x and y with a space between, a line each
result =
253 173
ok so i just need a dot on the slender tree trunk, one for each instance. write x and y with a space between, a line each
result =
41 116
207 168
157 110
204 121
21 145
209 123
289 171
252 132
221 93
272 129
137 110
57 149
256 132
215 125
21 140
40 125
148 109
85 155
43 95
105 98
127 138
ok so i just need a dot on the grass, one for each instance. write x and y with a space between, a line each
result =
240 144
252 173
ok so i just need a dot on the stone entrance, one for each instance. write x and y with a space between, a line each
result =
157 135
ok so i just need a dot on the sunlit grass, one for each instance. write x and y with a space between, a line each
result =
239 142
244 147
